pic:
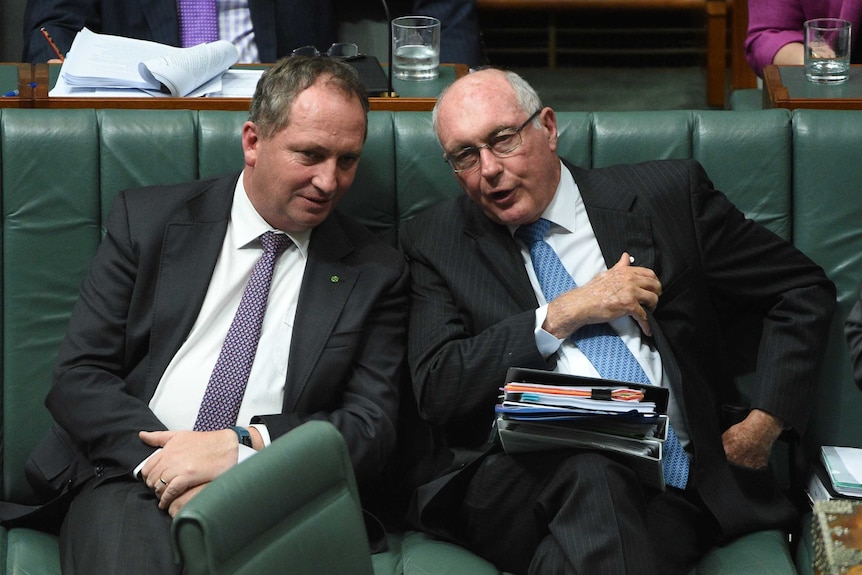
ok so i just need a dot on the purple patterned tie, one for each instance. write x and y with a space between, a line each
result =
223 396
599 342
198 22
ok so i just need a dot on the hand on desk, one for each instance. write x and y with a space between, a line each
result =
623 290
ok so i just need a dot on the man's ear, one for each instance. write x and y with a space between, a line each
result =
548 118
250 140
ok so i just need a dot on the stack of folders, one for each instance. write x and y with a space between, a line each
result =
542 411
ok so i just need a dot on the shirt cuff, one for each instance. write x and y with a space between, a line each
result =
137 472
244 452
546 343
264 433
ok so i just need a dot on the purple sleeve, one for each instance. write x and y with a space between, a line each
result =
771 25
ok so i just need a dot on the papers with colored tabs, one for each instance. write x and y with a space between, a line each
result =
541 411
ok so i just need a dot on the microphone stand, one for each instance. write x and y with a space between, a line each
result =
389 92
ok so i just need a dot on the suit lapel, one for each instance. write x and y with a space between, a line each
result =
190 250
501 254
326 286
617 226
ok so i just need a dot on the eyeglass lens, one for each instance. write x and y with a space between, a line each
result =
503 142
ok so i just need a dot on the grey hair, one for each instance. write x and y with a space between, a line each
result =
527 98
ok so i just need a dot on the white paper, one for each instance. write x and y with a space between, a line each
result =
844 466
238 83
99 61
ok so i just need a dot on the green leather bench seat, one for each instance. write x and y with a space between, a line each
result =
798 173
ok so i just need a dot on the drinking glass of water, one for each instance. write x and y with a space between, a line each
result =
415 47
827 50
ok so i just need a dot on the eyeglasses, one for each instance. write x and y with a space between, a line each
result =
342 51
500 144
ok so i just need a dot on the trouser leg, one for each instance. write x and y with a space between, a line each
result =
116 528
558 512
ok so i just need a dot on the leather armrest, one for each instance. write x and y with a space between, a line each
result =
293 504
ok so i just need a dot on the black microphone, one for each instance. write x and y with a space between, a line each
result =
389 92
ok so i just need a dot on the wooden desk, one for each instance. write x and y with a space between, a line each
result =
787 87
413 96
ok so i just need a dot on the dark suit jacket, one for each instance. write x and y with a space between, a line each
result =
853 333
472 317
145 289
279 25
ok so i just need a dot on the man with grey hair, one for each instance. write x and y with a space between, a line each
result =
220 314
538 263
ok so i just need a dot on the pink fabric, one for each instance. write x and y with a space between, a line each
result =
774 23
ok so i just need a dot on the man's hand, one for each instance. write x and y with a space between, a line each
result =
187 460
749 442
183 499
622 290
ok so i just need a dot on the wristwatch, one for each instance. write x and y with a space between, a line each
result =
242 435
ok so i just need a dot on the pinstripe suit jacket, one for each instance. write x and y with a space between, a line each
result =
472 317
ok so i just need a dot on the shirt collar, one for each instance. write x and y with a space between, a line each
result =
247 225
561 211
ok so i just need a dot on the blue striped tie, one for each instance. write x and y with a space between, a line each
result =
599 342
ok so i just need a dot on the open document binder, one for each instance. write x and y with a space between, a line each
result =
542 411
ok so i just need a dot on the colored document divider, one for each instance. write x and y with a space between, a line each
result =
633 437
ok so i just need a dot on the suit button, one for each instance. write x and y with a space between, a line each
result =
100 470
